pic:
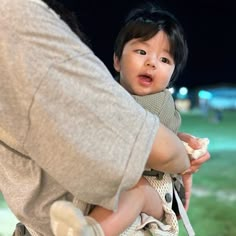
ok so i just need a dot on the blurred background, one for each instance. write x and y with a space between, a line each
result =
209 26
205 94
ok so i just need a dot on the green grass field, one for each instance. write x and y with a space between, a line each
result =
213 204
7 219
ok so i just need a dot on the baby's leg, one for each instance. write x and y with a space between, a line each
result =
141 198
68 220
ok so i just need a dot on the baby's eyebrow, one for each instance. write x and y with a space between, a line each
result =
167 51
138 41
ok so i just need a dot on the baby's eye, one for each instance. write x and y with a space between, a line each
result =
165 60
141 52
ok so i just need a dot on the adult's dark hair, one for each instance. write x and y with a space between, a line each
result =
69 17
146 21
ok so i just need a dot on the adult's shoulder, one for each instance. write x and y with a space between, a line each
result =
21 12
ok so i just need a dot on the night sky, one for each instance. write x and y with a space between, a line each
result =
210 27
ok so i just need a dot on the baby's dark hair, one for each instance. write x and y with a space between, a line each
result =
145 22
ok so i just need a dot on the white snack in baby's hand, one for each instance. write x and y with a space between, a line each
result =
195 154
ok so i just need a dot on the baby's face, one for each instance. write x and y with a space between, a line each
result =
146 67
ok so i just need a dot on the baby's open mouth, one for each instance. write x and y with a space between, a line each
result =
147 79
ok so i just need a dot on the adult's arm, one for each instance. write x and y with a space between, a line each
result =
168 154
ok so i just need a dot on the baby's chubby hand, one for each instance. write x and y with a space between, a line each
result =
196 153
197 149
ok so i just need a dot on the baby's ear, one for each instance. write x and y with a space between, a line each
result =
116 63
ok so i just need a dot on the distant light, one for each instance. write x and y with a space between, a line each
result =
183 91
172 90
204 94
